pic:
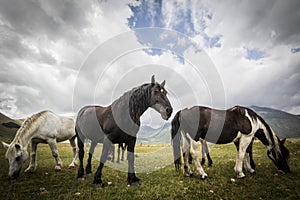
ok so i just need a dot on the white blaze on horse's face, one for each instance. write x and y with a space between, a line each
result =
160 101
16 156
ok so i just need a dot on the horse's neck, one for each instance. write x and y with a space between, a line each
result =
25 134
269 135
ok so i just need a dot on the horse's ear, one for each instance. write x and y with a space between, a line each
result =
5 145
283 141
163 83
17 146
152 80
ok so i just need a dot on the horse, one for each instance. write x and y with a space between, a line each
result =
43 127
119 123
111 153
238 124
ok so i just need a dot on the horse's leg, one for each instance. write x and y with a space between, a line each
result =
97 178
75 152
124 146
88 168
187 169
119 151
206 152
202 152
249 150
113 153
244 142
80 145
32 166
132 179
247 163
195 155
55 154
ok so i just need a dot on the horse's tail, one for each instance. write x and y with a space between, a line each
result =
176 137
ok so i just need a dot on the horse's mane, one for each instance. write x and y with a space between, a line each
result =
255 116
137 100
30 124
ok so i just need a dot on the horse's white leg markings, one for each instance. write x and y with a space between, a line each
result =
32 165
186 150
194 147
53 147
245 140
75 152
195 155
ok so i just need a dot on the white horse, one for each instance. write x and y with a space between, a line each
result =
43 127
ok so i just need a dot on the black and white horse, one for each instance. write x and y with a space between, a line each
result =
119 123
238 124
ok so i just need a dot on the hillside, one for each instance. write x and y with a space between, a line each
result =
8 127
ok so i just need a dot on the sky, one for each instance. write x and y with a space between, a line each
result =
63 55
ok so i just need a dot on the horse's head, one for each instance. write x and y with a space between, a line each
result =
159 100
279 154
16 156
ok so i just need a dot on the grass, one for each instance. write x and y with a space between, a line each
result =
158 177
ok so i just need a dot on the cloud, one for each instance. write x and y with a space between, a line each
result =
45 46
44 43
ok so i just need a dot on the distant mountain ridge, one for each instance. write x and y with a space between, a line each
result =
283 123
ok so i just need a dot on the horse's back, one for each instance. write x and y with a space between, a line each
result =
56 127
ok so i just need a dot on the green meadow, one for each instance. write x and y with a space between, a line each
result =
158 177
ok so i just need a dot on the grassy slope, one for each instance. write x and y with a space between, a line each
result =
164 183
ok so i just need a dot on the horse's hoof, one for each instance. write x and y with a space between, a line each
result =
203 177
71 167
241 175
136 183
57 168
253 172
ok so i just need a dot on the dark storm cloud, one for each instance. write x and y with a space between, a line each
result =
51 18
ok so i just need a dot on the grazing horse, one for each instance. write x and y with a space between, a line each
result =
238 124
43 127
119 123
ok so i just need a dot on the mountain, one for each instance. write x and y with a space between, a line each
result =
284 124
161 135
8 127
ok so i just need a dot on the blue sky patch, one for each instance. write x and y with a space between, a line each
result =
295 50
149 14
255 54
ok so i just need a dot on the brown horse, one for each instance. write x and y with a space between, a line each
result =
238 124
119 123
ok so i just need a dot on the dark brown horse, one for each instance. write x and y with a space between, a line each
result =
119 123
238 124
